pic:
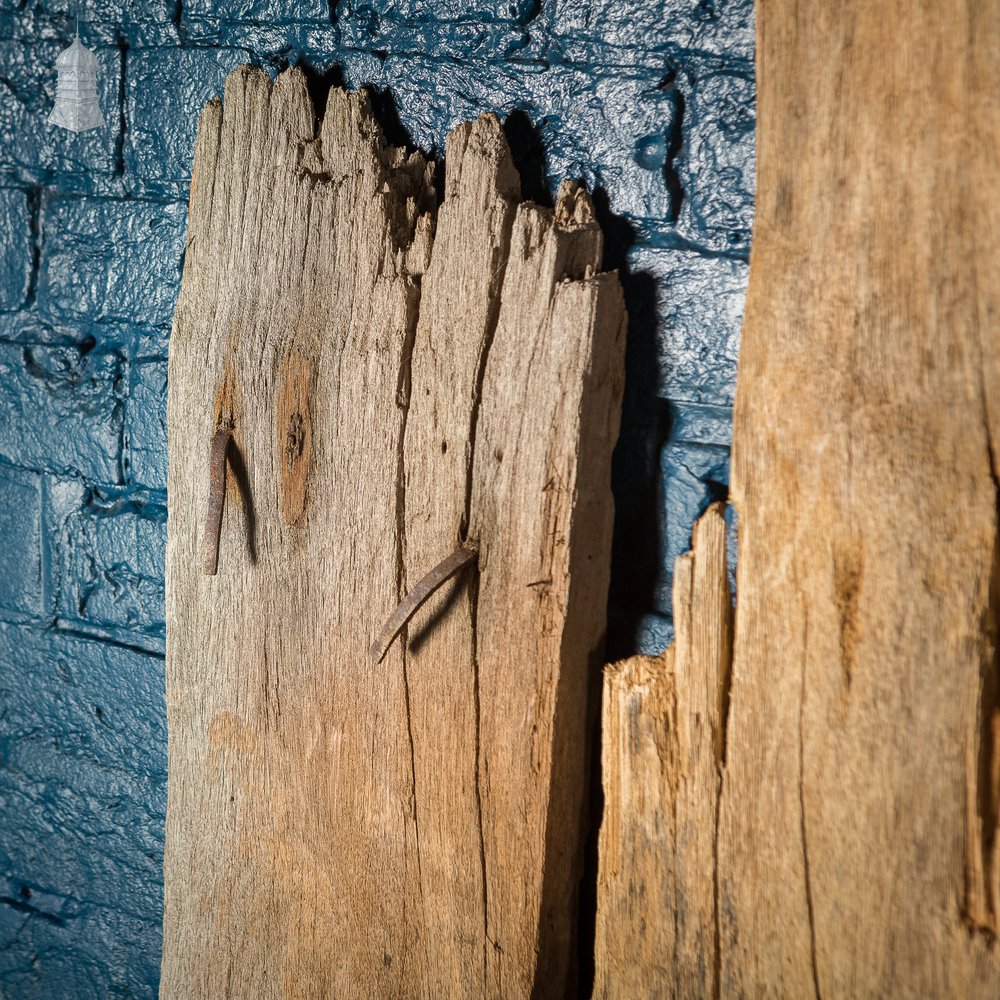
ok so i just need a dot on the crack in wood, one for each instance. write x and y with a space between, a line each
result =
367 346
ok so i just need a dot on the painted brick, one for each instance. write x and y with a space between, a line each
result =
110 260
654 633
33 149
444 11
610 129
62 410
101 953
277 43
260 11
693 476
145 343
82 768
95 14
136 341
146 425
90 827
100 14
622 31
717 167
698 306
486 29
695 423
166 91
102 22
21 545
106 571
125 340
15 236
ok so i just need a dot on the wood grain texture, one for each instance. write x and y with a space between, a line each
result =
663 726
856 852
550 570
859 811
395 382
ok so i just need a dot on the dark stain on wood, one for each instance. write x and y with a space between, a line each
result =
848 566
295 434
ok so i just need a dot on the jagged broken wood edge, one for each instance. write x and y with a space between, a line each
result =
457 842
663 724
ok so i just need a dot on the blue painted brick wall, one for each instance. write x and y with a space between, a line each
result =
650 101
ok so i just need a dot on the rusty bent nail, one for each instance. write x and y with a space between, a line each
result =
216 499
422 590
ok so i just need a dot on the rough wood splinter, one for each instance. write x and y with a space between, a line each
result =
397 374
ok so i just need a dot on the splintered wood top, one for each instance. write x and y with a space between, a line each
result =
398 377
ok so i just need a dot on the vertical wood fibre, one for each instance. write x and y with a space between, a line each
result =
859 803
395 382
856 849
663 736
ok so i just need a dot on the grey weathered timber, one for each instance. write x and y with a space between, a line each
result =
398 377
663 733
